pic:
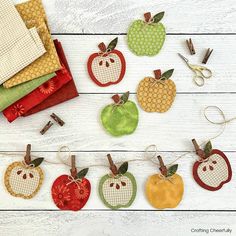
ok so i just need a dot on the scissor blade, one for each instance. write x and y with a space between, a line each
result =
184 58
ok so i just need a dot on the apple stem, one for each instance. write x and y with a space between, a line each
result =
73 169
27 155
162 168
113 167
116 98
147 16
198 150
157 74
102 47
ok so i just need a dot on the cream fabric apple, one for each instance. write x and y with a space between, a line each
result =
118 189
213 169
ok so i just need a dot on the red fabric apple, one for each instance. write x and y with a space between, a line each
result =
108 66
71 193
213 169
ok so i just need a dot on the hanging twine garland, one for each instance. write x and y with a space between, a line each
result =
150 149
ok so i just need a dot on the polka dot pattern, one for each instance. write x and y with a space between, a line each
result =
146 39
154 96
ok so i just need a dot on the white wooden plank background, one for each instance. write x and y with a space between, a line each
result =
80 26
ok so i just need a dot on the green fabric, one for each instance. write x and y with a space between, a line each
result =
117 200
120 120
10 95
146 39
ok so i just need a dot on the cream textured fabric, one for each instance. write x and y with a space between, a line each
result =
33 14
19 46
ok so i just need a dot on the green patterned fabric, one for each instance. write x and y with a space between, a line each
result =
119 191
120 120
11 95
146 39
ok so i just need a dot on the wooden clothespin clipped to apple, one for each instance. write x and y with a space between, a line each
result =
213 168
165 190
24 179
71 192
118 189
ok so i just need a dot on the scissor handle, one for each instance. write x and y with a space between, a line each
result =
205 72
202 70
199 80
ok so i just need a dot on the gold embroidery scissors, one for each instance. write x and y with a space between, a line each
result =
201 72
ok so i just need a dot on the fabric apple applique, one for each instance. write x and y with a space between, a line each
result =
24 179
108 66
118 189
165 190
146 38
71 192
121 117
213 168
157 94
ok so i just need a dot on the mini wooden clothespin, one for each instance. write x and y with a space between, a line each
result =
73 169
27 157
57 119
46 127
190 46
207 55
198 150
162 168
113 167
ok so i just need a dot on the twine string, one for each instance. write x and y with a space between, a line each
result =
150 149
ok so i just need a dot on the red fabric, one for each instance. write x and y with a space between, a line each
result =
67 92
23 105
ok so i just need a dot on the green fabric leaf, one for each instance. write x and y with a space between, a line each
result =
157 18
125 97
123 168
208 149
82 173
36 162
112 44
172 170
167 74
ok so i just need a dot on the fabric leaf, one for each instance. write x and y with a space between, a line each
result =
82 173
125 97
158 17
36 162
172 170
112 44
123 168
208 149
167 74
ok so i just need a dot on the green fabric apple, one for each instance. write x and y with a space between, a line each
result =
118 189
146 38
121 117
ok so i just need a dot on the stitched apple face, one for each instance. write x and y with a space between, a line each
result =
108 66
165 190
70 193
22 180
118 190
120 118
157 94
146 38
213 169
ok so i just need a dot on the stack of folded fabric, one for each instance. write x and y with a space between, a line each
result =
34 73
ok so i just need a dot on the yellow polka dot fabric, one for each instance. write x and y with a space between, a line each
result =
33 14
154 96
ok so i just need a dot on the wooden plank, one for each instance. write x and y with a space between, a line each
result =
195 197
222 62
116 223
171 131
182 16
